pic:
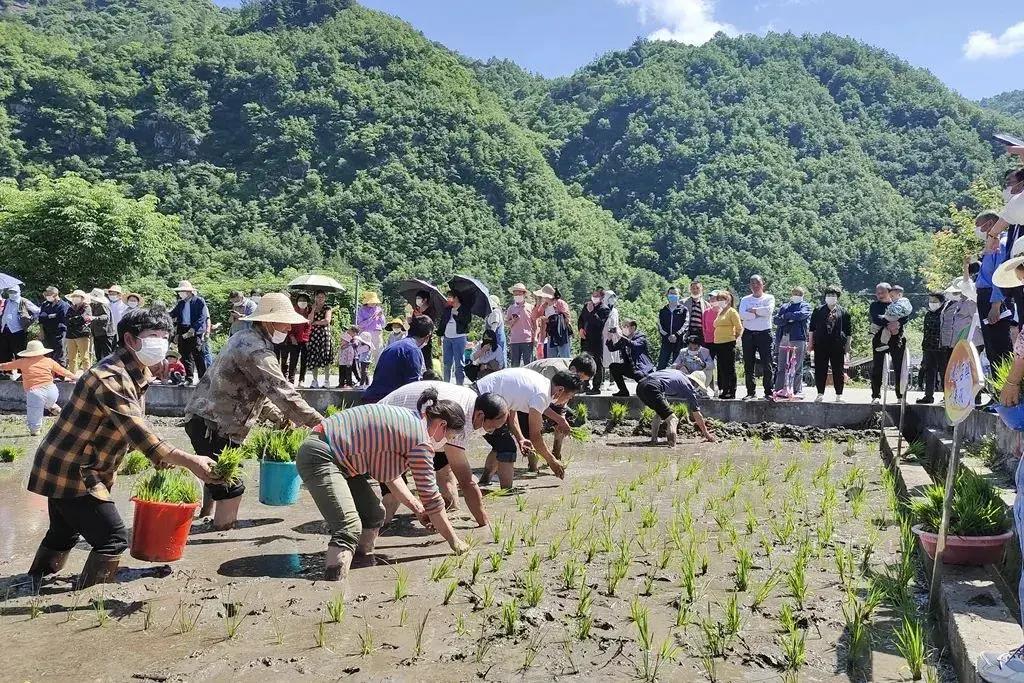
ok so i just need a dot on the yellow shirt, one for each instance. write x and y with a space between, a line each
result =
728 326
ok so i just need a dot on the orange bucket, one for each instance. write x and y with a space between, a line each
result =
160 530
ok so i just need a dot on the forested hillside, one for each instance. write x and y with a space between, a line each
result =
322 134
1011 103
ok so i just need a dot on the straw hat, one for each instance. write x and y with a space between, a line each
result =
545 292
370 298
98 296
35 348
275 307
114 289
700 380
1005 275
518 288
184 286
364 338
398 321
75 293
129 295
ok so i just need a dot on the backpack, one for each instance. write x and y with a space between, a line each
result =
559 333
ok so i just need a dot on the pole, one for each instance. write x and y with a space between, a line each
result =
355 300
940 546
885 397
903 410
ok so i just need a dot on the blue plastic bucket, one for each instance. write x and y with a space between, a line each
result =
279 483
1013 417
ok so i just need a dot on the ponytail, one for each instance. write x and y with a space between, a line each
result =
433 408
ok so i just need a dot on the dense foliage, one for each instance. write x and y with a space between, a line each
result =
1011 103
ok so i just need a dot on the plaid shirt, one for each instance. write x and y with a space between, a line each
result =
104 418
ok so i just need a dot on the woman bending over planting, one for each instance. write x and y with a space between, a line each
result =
380 442
77 461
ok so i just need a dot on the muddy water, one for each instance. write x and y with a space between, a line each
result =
174 622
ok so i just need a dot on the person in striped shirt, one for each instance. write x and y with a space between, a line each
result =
377 442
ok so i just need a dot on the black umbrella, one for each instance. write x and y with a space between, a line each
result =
411 287
473 293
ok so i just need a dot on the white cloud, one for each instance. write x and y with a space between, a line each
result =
984 45
686 21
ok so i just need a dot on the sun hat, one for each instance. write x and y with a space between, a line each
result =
136 295
545 292
1005 275
172 353
98 296
275 307
518 287
700 380
75 293
364 338
370 298
184 286
398 321
34 348
114 289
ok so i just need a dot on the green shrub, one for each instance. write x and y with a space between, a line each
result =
168 486
977 509
133 463
985 450
10 453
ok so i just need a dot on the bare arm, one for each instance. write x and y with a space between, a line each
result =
537 438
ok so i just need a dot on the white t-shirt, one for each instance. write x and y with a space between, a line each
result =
521 388
409 395
1013 212
756 312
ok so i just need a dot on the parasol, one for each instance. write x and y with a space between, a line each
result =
313 282
473 293
413 286
8 280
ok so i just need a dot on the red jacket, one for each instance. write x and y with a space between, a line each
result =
300 333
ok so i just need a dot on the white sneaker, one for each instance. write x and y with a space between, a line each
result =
314 385
875 401
819 398
1002 667
839 399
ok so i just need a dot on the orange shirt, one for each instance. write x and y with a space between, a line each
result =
36 371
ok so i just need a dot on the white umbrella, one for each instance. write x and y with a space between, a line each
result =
313 282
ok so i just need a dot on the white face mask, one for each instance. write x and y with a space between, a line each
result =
796 299
549 311
934 306
831 301
278 337
419 302
133 304
519 298
1007 194
51 299
719 305
183 295
980 234
153 351
113 298
76 300
303 305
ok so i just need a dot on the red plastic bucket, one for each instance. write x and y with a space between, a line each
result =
160 530
969 550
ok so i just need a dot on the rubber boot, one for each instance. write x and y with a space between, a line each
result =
98 569
655 428
45 563
338 572
671 427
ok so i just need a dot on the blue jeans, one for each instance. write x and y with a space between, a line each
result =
453 352
521 354
563 351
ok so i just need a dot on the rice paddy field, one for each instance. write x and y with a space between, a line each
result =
744 560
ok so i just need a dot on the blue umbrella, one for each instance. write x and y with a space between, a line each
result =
8 280
473 294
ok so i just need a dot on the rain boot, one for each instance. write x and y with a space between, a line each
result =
98 569
671 427
339 572
45 563
655 428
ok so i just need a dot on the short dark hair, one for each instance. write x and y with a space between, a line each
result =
421 326
492 405
433 408
235 294
693 339
568 381
835 290
629 322
584 363
138 320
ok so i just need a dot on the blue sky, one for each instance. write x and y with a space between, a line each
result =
975 46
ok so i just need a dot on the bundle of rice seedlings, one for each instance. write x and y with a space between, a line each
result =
229 465
133 463
10 453
168 486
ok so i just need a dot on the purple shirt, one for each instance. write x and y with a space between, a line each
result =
521 329
370 319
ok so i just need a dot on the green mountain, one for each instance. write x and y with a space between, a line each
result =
321 134
1010 103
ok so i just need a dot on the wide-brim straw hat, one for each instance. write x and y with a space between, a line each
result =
129 295
1006 275
398 321
545 292
364 338
184 286
517 288
700 380
371 298
34 348
275 307
114 289
75 293
98 296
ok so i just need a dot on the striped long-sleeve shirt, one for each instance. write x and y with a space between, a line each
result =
383 442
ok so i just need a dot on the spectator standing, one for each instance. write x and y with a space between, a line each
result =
591 322
756 311
396 332
295 346
190 316
53 319
696 307
424 305
348 371
791 338
400 363
17 316
957 319
79 336
931 346
830 341
37 375
103 330
672 326
611 300
133 301
552 314
320 353
995 312
879 313
728 328
708 327
519 318
241 307
495 323
370 319
115 296
453 328
631 345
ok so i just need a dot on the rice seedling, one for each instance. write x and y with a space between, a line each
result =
791 471
614 574
581 434
10 453
571 572
733 619
617 413
460 625
521 503
496 533
168 486
320 633
713 638
186 618
710 666
826 530
637 609
509 546
133 463
744 563
681 411
403 616
510 617
726 468
805 446
646 417
794 649
648 517
583 626
759 472
497 559
366 640
682 613
442 570
554 547
572 522
650 664
35 607
278 627
856 475
783 531
777 444
692 468
851 448
450 591
593 547
488 596
532 650
764 590
786 618
533 589
858 633
401 584
147 615
582 415
857 500
768 547
100 610
483 644
796 580
229 465
664 557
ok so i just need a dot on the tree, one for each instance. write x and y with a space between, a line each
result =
71 233
949 246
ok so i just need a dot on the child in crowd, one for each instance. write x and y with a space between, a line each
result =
396 332
695 358
486 358
897 310
347 357
37 373
364 350
175 368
